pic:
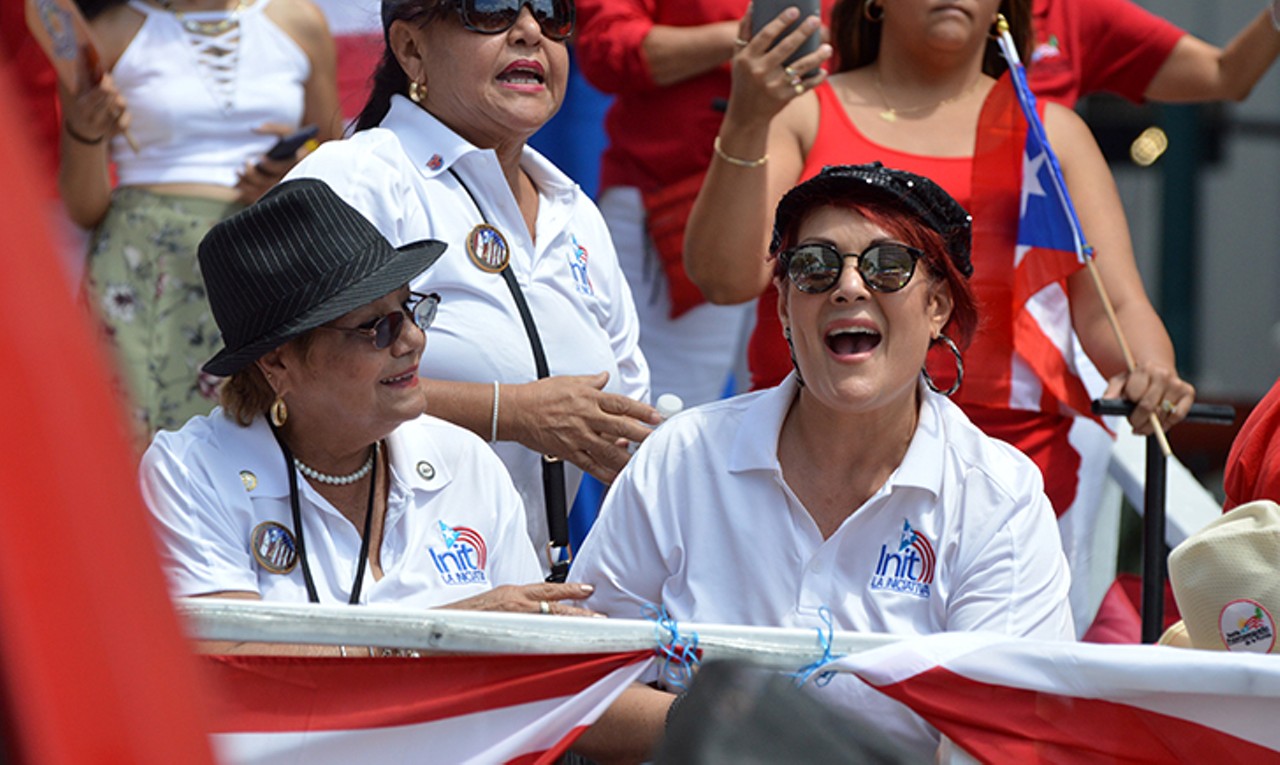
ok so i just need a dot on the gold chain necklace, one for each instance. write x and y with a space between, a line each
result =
205 28
890 114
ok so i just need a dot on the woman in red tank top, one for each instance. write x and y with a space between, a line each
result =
912 79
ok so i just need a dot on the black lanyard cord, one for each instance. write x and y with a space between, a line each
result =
553 488
296 509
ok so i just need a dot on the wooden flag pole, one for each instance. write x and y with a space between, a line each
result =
1110 310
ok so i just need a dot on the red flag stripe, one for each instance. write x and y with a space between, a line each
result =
275 693
1027 726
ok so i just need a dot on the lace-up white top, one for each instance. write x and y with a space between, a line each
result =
198 85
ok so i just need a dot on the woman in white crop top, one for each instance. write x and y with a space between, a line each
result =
196 93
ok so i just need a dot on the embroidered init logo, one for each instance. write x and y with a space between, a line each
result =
909 570
578 265
464 556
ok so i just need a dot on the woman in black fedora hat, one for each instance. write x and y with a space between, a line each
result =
319 479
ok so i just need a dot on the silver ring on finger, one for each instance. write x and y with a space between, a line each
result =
544 607
1167 407
739 43
791 73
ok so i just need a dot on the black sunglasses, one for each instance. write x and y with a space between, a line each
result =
385 330
491 17
884 267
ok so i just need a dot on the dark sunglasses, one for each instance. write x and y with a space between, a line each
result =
491 17
385 330
884 267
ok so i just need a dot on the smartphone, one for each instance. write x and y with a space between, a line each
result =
287 146
764 11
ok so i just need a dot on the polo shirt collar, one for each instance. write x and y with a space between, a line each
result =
433 148
755 445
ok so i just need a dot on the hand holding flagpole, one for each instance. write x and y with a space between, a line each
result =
1083 251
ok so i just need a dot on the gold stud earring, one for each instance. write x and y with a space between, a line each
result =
417 92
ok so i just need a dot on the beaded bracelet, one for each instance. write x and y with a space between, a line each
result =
81 139
735 161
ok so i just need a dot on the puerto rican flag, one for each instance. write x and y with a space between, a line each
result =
1014 165
454 709
1006 699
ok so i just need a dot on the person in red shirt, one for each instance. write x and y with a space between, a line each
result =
1253 465
1090 46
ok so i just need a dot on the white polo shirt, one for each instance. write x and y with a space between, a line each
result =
398 175
960 537
454 525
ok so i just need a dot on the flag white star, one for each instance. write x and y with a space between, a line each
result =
1031 179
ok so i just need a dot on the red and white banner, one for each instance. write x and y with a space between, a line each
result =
1026 701
454 709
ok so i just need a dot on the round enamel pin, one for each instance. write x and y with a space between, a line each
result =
274 547
249 480
426 470
487 248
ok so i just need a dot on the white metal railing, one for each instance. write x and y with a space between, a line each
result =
490 632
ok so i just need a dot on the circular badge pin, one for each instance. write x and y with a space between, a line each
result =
487 248
426 470
274 547
1245 625
249 480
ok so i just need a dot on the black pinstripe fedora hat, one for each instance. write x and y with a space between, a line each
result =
295 259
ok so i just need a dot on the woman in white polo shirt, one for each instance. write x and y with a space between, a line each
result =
440 151
855 485
320 479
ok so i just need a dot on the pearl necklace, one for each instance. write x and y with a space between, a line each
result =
337 480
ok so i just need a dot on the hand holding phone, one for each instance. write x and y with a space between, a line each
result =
287 146
764 11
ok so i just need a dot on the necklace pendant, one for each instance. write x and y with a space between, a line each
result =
889 115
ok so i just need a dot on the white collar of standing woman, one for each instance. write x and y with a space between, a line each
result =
258 461
755 445
434 148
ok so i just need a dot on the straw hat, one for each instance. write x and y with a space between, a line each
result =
1226 579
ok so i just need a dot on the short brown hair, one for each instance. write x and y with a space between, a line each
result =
247 394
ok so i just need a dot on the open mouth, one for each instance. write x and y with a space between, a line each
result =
850 341
523 73
400 379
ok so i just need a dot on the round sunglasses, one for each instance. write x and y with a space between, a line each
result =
884 267
385 330
490 17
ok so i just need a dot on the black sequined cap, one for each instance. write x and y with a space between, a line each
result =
911 193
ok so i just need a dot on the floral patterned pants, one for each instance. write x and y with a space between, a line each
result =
143 282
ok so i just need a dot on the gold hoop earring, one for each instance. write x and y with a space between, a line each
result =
866 12
279 412
955 386
417 92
